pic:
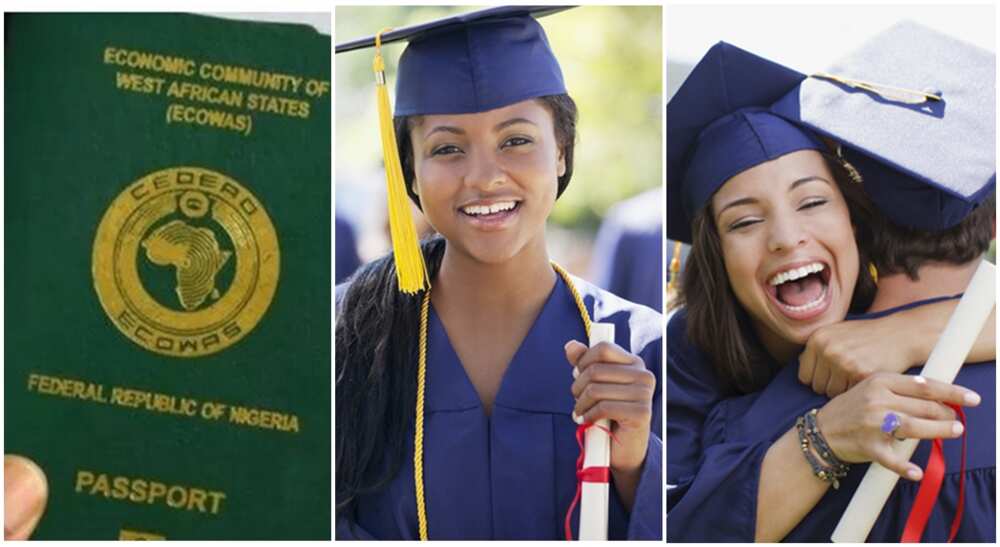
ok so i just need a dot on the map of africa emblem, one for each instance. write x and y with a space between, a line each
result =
185 261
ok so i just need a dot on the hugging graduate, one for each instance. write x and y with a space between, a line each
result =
795 191
455 391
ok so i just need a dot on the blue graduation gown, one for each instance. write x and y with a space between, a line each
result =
717 469
512 475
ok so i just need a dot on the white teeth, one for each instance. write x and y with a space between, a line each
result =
807 306
796 273
489 209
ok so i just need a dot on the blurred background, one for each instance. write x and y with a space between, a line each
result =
807 38
612 62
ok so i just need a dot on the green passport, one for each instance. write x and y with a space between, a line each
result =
167 186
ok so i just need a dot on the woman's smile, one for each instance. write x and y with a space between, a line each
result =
490 215
800 290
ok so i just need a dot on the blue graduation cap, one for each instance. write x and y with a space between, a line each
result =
468 63
472 62
914 111
718 126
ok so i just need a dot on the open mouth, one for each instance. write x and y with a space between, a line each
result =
802 292
491 214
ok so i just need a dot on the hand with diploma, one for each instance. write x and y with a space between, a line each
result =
615 385
860 424
25 492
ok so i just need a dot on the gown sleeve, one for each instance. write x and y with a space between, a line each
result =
712 471
716 498
692 391
646 519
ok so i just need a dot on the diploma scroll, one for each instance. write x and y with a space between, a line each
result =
946 359
594 495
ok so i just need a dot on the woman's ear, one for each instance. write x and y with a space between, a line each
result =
561 163
414 187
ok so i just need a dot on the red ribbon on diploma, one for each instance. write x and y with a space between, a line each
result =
930 487
590 474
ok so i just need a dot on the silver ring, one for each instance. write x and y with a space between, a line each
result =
891 424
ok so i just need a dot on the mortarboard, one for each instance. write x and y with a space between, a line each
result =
718 126
914 111
472 62
468 63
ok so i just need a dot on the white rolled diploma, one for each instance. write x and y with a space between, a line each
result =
597 443
945 360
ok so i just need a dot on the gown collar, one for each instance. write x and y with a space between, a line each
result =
538 378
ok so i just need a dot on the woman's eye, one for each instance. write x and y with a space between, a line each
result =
515 141
445 149
743 223
813 202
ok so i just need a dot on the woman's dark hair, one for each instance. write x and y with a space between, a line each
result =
564 117
718 324
375 340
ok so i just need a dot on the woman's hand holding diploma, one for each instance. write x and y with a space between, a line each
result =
852 422
615 385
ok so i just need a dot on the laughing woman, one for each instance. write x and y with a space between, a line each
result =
455 405
778 226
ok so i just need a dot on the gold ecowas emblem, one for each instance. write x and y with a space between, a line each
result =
185 261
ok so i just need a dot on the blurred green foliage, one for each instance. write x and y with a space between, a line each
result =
611 57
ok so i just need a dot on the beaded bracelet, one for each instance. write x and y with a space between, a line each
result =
824 449
809 434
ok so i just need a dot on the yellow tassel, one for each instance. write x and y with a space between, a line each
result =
675 270
411 272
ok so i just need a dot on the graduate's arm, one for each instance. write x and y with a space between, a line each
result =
839 356
851 425
788 490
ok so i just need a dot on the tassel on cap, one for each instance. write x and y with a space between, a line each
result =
411 272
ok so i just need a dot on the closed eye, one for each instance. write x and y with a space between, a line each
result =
743 223
813 202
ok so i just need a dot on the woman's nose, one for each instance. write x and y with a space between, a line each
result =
786 234
484 170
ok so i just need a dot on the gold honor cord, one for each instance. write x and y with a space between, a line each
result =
418 436
892 93
411 271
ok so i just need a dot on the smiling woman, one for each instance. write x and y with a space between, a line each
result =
456 397
458 163
789 245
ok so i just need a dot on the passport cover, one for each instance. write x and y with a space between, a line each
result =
167 263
